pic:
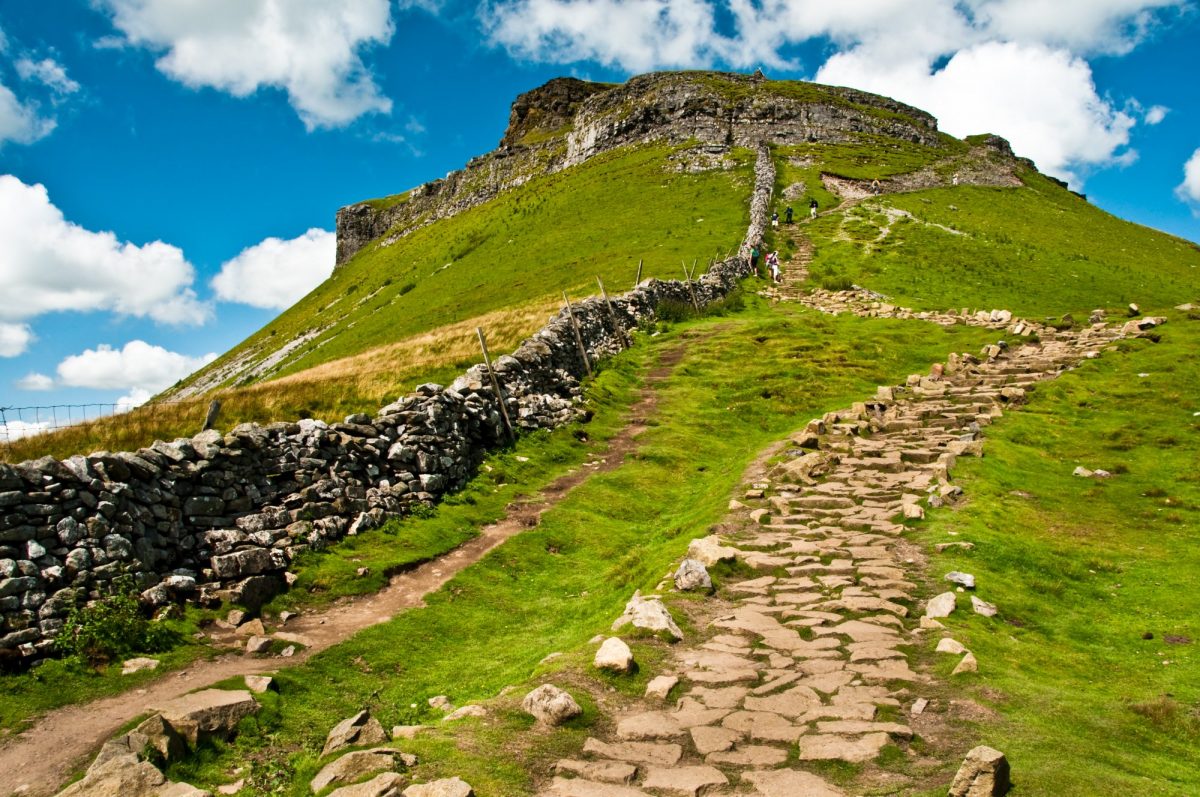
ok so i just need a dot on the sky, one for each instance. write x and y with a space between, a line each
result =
170 169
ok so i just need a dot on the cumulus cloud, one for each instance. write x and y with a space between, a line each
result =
35 381
14 339
311 49
15 430
49 264
49 73
1044 101
139 367
276 273
1093 26
1189 189
636 35
20 122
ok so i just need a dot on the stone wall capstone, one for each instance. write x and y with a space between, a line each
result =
221 516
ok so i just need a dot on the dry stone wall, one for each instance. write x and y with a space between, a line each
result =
221 516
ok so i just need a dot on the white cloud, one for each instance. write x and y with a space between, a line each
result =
310 49
134 398
1042 100
49 73
1093 26
636 35
1156 114
276 273
14 339
1189 189
15 430
35 381
48 264
139 367
20 122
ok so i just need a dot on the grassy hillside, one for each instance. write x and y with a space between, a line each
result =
1038 250
1091 668
557 232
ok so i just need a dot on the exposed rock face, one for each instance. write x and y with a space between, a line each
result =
567 121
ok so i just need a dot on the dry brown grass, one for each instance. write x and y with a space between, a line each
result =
362 383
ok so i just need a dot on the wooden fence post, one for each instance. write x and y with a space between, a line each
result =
587 363
612 314
638 281
487 361
688 280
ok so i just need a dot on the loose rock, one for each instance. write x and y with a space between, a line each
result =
942 605
550 705
361 729
614 655
984 773
692 575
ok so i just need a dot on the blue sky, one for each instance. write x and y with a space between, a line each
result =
170 169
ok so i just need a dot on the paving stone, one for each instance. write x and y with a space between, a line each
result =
789 783
648 726
603 771
851 727
749 756
579 787
763 726
831 747
794 702
635 752
714 740
686 780
661 686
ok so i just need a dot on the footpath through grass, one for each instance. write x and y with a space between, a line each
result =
1093 663
745 381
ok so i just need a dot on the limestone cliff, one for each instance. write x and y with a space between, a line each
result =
567 121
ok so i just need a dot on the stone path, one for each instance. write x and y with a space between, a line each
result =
807 663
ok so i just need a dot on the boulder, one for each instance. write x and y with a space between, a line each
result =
709 551
355 765
446 787
119 776
968 664
258 644
210 712
692 575
386 784
360 729
942 605
161 737
984 773
648 614
615 656
550 705
948 645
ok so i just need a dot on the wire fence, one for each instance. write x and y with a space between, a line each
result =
17 423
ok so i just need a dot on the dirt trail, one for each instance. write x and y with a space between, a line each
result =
38 761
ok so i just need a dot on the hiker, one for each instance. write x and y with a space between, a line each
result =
787 215
875 187
812 208
773 264
775 220
754 258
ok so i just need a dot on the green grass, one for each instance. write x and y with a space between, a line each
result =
745 380
557 232
1081 569
1037 250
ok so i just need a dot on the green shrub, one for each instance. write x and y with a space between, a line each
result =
112 627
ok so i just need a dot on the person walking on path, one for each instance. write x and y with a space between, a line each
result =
787 215
812 208
775 220
773 265
875 187
754 255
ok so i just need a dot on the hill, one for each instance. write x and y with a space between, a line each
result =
1046 454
